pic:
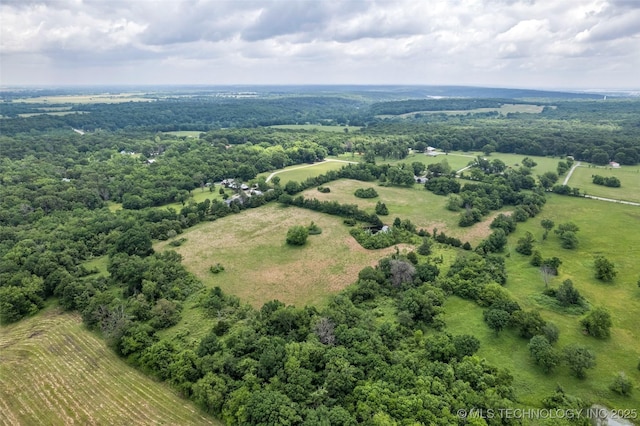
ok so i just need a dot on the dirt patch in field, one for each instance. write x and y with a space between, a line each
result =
482 230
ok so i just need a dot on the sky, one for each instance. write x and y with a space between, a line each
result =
547 44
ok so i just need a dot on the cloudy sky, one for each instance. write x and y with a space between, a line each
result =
502 43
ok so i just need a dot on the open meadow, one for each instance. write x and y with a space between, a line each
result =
301 172
55 372
629 176
103 98
260 266
316 127
423 208
607 229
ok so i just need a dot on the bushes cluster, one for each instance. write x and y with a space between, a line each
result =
366 193
610 181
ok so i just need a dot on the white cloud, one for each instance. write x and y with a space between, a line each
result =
488 42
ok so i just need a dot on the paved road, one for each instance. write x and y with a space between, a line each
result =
309 165
570 173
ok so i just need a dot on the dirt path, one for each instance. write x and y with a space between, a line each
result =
309 165
566 179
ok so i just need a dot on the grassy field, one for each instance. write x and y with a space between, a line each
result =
458 160
502 110
56 113
260 266
105 98
301 172
186 133
421 207
55 372
629 179
317 127
608 229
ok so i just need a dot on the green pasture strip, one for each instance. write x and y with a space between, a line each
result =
629 176
343 129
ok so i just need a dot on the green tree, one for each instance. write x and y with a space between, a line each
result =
547 224
528 323
543 353
497 319
381 209
579 359
134 241
425 248
525 244
297 235
598 323
605 269
621 385
567 294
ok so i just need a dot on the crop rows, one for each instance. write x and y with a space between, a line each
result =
56 372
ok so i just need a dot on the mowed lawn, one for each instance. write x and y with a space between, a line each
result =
260 266
423 208
55 372
629 182
607 229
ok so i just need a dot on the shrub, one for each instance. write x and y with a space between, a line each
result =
216 269
621 384
366 193
314 229
324 189
598 323
297 235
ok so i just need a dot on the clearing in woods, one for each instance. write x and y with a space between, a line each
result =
260 266
55 372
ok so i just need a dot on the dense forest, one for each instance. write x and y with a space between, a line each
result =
281 364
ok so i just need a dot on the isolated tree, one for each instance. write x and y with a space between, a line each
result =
579 359
543 353
567 294
381 209
621 384
547 273
605 269
598 323
525 244
547 224
567 233
497 319
297 235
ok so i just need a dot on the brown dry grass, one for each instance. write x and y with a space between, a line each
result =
260 266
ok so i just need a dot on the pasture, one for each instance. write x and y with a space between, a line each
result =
629 179
55 372
502 110
318 127
186 133
458 160
260 266
423 208
607 229
101 98
301 172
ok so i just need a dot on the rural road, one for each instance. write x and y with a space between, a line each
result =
570 173
309 165
611 200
